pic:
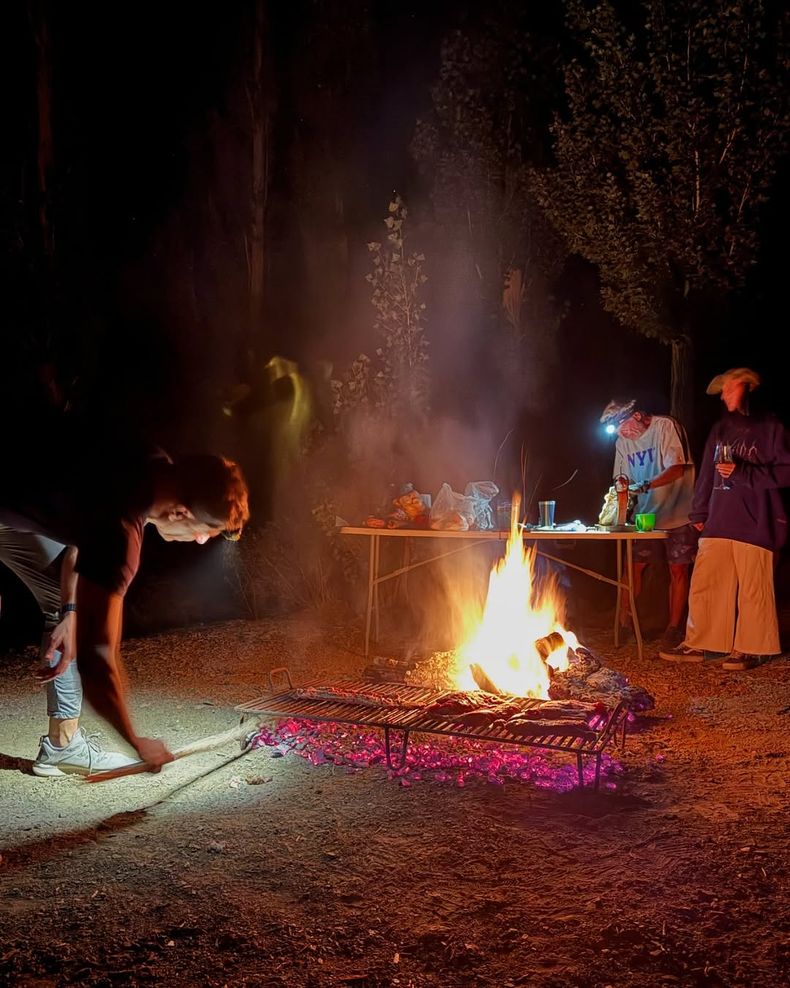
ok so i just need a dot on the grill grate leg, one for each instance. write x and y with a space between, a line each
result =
580 769
401 760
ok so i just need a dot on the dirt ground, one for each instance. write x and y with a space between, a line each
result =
273 872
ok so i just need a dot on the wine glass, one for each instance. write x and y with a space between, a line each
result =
722 454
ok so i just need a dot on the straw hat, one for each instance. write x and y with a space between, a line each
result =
734 376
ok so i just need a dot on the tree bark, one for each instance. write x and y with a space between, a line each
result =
260 119
681 383
45 152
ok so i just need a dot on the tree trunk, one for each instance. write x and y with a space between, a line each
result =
681 385
45 152
259 193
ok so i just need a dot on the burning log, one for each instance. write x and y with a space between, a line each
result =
548 644
480 676
544 646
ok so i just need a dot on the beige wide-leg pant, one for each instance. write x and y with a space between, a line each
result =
731 599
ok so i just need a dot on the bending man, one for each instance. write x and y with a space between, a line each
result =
653 452
99 498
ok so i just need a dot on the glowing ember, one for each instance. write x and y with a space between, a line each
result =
518 612
449 760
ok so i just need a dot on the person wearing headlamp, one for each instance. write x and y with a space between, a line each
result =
653 452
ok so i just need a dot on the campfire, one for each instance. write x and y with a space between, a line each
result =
520 639
519 646
518 678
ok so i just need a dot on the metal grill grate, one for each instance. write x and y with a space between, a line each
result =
412 718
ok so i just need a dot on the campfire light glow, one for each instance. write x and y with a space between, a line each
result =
518 612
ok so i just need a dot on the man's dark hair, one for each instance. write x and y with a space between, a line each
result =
214 490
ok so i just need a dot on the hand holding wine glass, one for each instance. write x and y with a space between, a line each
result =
725 466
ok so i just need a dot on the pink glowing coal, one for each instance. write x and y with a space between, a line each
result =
451 760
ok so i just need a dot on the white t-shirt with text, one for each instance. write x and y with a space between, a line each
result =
663 444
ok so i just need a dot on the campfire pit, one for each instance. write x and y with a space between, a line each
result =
400 709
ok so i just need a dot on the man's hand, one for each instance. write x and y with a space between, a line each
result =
725 469
63 639
153 752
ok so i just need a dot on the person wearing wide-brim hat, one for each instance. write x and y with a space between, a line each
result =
739 512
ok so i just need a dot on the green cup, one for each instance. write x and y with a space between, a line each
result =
645 523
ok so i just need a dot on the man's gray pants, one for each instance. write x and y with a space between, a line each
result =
34 559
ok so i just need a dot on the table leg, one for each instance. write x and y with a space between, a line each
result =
371 584
376 599
403 581
629 556
619 554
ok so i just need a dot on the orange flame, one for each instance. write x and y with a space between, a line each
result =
518 612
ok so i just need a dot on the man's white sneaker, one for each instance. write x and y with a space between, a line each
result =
83 755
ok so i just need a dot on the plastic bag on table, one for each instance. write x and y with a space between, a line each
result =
452 511
480 494
449 511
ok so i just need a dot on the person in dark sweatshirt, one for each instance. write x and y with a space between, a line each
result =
738 511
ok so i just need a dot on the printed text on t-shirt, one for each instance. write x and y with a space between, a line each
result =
641 455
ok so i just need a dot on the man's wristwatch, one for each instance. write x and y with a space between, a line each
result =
68 609
644 487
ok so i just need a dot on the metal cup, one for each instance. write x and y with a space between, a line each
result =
546 513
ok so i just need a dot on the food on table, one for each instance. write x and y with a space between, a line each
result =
408 510
412 504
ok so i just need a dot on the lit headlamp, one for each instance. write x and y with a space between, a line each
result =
615 413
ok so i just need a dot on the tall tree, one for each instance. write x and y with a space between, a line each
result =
474 147
396 382
40 13
261 101
329 76
676 120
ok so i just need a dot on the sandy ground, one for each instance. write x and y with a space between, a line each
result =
269 871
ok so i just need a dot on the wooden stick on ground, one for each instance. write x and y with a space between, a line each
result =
202 744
